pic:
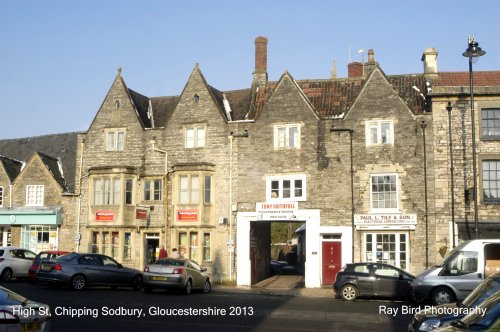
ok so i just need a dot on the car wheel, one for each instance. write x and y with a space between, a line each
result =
6 274
349 292
78 282
188 287
442 295
136 283
412 297
206 286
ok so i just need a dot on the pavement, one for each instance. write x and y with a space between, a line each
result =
286 285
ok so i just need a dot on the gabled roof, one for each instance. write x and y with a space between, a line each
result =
54 167
12 167
61 146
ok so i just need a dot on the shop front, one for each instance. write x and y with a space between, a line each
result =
35 229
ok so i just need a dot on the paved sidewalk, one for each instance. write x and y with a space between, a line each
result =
279 285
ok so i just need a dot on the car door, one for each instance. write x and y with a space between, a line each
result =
26 260
364 278
114 272
389 281
91 267
195 272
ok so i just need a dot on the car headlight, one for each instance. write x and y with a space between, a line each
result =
430 325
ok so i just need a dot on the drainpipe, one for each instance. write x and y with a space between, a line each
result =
230 208
78 211
153 144
11 188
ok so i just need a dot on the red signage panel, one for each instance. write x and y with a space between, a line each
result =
141 214
104 216
187 215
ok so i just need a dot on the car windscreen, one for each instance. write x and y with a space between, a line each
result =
10 298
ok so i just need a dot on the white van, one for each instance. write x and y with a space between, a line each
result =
459 272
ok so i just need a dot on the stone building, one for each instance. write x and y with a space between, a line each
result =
363 162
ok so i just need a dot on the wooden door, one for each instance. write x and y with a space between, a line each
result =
332 261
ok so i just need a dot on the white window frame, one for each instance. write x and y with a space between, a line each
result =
35 195
197 138
104 192
397 242
282 141
192 191
384 210
155 192
377 125
115 139
280 179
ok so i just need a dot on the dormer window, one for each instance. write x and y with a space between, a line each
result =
194 136
115 139
379 132
34 195
287 136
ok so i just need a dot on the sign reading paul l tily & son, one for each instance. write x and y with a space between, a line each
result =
388 219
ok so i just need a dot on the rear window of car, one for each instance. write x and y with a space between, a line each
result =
361 269
67 257
170 262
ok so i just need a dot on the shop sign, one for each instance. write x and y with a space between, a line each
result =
104 216
385 219
141 214
277 210
187 215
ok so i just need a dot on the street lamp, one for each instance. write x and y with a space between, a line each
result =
473 52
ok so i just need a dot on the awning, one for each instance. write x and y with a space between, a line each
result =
31 216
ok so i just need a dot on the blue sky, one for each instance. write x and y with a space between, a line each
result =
59 58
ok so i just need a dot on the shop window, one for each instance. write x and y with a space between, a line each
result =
115 242
96 244
194 136
389 248
1 196
287 188
287 136
379 132
183 245
206 247
193 246
38 238
115 140
384 192
34 195
490 123
127 246
491 181
153 190
105 243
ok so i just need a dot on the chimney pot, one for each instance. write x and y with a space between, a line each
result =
430 61
260 73
371 56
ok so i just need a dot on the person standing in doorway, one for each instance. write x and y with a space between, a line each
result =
163 253
175 253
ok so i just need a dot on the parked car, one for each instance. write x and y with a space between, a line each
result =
81 270
41 256
459 272
15 262
17 313
372 280
181 274
476 320
429 320
281 267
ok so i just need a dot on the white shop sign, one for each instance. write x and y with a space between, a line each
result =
277 210
389 219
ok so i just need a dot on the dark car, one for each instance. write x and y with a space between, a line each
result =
485 318
42 256
429 320
80 270
180 274
372 280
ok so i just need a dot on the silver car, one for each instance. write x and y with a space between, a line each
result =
17 313
15 262
81 270
182 274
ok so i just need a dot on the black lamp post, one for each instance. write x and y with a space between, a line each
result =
449 108
473 52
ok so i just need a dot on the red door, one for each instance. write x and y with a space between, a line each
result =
332 261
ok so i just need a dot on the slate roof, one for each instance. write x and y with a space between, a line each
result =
141 103
163 107
12 167
62 146
53 165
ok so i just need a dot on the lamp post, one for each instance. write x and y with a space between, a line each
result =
426 211
449 108
473 52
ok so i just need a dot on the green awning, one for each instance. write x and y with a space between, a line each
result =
34 216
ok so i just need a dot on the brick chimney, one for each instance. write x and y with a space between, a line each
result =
371 64
260 73
354 69
430 62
